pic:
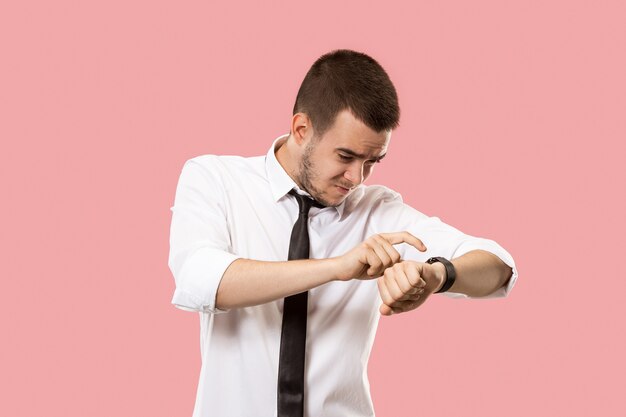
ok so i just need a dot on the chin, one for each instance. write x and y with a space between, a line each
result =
338 200
330 197
328 202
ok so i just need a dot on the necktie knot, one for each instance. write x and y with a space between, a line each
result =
305 202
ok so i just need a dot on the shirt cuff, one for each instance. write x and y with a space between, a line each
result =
198 279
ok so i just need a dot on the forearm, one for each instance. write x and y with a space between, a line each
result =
248 282
479 273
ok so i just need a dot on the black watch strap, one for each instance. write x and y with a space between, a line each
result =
450 272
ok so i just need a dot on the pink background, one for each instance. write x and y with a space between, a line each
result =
513 124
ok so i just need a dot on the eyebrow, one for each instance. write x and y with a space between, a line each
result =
357 155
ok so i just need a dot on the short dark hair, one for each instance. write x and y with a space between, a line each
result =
344 79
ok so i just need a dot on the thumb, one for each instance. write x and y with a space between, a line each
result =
385 310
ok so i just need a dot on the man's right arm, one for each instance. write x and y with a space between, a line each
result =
247 282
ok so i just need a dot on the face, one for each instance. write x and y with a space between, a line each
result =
334 165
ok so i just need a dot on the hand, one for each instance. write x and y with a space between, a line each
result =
374 255
407 284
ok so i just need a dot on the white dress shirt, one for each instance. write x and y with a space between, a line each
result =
229 207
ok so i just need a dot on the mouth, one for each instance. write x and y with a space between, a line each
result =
342 190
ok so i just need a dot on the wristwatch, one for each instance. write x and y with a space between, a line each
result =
450 272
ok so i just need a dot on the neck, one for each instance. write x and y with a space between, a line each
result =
287 160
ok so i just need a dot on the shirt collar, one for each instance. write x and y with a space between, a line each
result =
280 181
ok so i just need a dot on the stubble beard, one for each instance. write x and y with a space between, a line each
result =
308 174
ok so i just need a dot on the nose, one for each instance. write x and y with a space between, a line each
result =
354 174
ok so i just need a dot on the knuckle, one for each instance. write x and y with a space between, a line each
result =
406 289
414 278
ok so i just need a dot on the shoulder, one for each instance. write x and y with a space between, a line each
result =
218 166
210 161
373 195
379 200
385 210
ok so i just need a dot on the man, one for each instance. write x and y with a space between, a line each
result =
235 220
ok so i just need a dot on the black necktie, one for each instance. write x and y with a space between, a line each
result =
293 336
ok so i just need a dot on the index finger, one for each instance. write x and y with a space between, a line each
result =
404 237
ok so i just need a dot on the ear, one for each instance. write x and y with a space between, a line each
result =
301 128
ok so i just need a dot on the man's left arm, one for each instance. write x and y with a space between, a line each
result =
484 269
407 285
478 273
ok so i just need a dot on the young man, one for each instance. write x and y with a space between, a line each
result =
293 337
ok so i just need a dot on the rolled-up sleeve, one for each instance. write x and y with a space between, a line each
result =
200 249
440 238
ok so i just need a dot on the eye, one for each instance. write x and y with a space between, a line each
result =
345 158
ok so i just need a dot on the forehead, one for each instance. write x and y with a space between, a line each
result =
350 133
